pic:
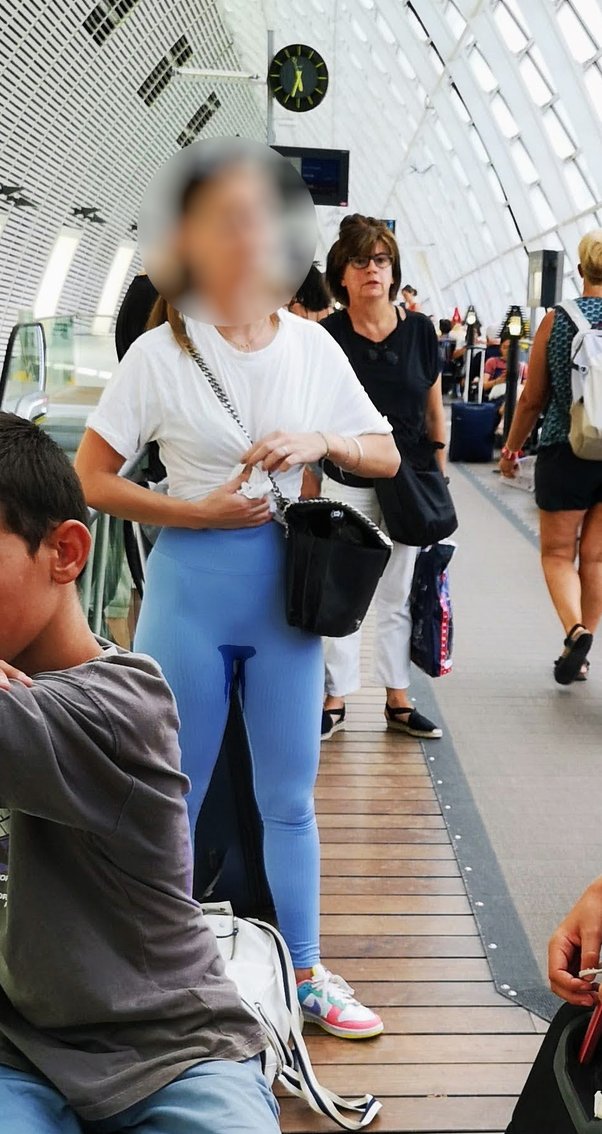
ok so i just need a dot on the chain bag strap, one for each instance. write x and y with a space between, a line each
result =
224 400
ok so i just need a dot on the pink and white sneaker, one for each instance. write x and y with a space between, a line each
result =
328 1000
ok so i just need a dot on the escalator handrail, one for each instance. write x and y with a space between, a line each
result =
9 349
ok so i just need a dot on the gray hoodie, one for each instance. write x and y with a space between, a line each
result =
111 985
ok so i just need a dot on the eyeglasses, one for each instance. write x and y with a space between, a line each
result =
382 260
382 354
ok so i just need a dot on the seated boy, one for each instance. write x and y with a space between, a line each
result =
115 1011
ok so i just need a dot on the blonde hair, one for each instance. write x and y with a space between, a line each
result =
590 256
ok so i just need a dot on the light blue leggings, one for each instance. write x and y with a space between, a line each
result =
211 1098
214 599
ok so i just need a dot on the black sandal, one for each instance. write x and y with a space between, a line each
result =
412 723
333 720
567 667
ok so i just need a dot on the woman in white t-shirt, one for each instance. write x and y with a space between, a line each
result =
214 594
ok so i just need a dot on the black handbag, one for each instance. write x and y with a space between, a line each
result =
558 1097
335 555
416 503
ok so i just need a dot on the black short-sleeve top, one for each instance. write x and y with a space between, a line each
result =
396 373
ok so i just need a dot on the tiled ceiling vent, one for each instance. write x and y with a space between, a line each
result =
105 17
162 74
199 120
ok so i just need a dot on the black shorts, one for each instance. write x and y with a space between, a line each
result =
564 482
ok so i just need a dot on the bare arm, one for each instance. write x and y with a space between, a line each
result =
536 390
435 420
98 464
281 451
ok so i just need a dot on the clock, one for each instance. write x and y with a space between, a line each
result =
298 77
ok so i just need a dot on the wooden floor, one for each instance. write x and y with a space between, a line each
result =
397 925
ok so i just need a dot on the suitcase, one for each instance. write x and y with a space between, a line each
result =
473 429
228 844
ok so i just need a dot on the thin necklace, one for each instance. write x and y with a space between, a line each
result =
247 344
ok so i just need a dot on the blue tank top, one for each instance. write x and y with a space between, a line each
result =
557 420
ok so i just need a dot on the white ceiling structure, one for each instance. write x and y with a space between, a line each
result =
475 124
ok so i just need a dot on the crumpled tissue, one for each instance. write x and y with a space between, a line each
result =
258 484
598 1104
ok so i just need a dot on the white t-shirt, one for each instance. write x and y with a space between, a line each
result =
301 382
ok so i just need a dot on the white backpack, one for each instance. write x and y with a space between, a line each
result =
258 961
586 411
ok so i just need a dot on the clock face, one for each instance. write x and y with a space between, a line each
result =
298 77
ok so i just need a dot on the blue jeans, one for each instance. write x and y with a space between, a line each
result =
219 1097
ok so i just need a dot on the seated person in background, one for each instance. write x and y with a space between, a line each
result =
115 1011
447 348
492 341
494 382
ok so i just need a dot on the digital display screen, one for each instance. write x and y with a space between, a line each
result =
325 172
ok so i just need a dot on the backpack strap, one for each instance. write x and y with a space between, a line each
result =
297 1074
575 314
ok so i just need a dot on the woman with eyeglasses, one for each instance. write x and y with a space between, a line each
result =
394 353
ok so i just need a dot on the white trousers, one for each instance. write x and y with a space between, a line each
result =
393 620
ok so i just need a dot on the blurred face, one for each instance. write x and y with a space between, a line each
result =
370 283
230 240
32 586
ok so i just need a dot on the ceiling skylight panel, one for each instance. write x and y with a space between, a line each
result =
442 135
455 19
359 32
504 117
459 105
562 144
416 24
593 82
534 81
478 146
483 73
512 33
578 187
384 30
436 59
523 163
378 62
405 65
496 185
541 207
591 17
474 204
580 44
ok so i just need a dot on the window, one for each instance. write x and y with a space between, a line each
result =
512 33
580 44
523 163
534 81
504 117
455 20
562 144
483 73
578 187
59 262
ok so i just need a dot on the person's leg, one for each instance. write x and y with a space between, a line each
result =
217 1097
559 532
29 1104
590 568
282 710
394 625
393 644
182 626
343 655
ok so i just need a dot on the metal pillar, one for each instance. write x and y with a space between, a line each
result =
270 133
512 376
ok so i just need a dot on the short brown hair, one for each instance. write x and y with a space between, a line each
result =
358 236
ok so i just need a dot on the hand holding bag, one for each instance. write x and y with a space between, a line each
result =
335 555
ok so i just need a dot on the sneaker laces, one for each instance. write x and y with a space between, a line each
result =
326 978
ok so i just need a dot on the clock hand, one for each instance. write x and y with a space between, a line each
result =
298 83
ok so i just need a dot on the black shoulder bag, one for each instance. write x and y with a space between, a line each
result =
416 504
335 555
